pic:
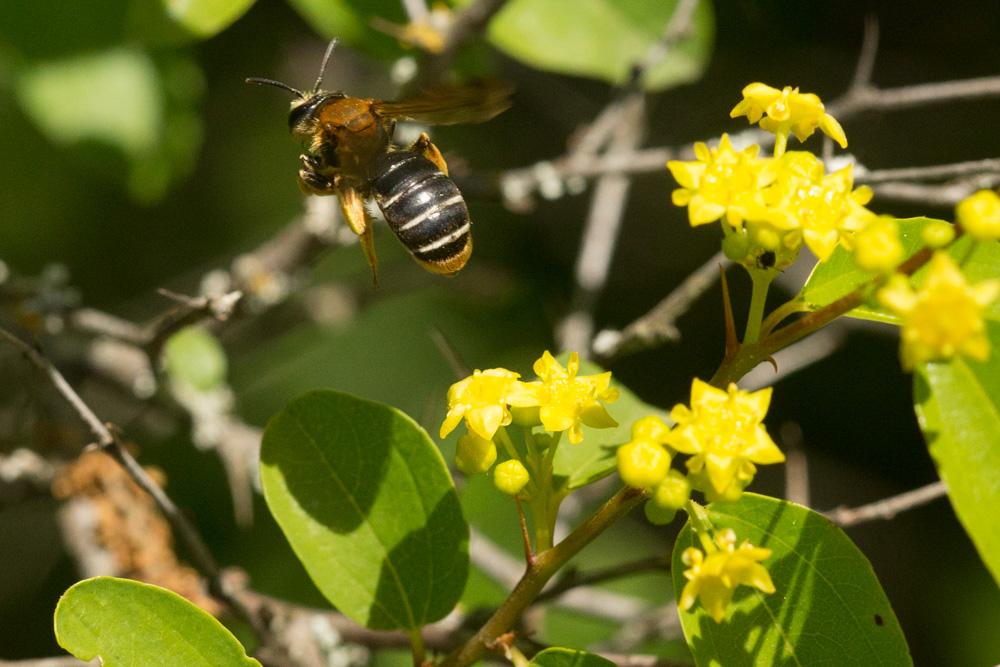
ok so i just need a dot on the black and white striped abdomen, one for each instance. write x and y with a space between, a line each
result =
424 209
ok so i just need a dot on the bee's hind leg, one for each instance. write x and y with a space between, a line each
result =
425 147
352 205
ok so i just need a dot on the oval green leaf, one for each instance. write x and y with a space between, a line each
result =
567 657
127 623
205 18
366 501
958 406
594 458
828 608
195 357
602 39
839 275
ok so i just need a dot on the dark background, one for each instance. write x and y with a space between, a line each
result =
70 205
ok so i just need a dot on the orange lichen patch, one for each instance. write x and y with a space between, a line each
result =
130 527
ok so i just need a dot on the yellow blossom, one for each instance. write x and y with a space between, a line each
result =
805 204
568 400
877 247
944 316
510 477
483 399
787 112
721 182
714 578
723 431
979 215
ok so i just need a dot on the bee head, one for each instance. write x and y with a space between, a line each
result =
302 116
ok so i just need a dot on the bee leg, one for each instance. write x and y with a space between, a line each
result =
425 147
352 205
311 182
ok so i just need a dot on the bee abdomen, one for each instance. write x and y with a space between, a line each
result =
424 208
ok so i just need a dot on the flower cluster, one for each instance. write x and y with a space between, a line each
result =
787 111
723 434
778 204
713 578
560 400
944 316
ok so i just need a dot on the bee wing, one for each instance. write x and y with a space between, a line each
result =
447 105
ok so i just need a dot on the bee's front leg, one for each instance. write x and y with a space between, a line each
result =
311 181
425 147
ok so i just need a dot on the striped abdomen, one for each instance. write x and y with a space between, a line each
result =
424 209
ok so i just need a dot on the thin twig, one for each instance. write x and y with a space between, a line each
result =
887 508
626 118
866 57
936 195
908 97
659 325
929 173
796 464
109 442
521 182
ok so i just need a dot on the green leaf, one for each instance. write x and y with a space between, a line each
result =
567 657
195 357
351 22
127 623
839 275
205 18
594 458
365 499
122 99
116 99
958 406
602 39
828 608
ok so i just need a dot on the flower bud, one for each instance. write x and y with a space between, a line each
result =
938 234
510 477
643 463
474 454
673 492
657 515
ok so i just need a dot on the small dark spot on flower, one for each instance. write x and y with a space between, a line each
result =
879 621
766 259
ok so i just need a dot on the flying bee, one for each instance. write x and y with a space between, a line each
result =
349 153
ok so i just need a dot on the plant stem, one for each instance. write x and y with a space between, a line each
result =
417 647
538 573
761 279
734 366
782 312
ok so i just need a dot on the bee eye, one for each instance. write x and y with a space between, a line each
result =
298 114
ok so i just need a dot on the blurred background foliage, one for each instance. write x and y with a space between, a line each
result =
136 157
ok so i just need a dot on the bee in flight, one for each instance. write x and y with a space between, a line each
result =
349 153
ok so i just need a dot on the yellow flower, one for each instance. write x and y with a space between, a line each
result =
944 316
474 454
788 112
820 209
714 578
483 399
721 182
510 477
979 215
877 247
568 400
724 433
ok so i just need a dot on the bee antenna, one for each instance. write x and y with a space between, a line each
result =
326 59
277 84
